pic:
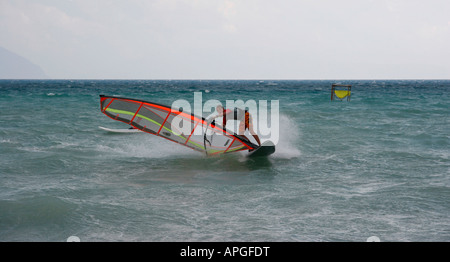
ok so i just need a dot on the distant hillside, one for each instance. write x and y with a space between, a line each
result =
13 66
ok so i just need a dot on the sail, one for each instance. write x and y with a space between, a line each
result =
180 127
342 93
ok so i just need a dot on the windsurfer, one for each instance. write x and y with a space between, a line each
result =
244 116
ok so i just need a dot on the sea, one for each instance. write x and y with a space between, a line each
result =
374 167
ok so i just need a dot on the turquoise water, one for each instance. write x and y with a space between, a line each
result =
378 165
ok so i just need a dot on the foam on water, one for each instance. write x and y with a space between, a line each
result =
290 137
143 145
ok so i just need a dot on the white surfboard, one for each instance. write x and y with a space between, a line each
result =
122 130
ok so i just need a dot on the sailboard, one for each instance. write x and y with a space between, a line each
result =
266 148
161 120
120 130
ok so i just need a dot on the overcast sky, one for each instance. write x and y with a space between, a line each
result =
231 39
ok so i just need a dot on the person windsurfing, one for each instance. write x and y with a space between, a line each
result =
243 116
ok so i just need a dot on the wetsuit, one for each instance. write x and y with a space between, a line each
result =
236 114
